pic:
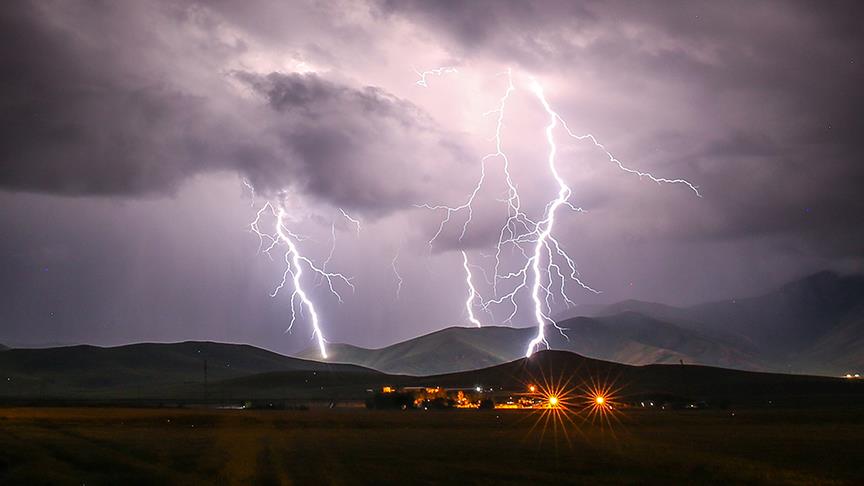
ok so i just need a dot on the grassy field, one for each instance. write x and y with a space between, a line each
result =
189 446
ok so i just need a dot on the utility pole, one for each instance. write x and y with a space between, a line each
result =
205 382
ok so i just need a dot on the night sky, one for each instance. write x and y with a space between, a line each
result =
129 128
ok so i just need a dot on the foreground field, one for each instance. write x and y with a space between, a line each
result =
160 446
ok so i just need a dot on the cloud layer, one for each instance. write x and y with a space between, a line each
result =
136 111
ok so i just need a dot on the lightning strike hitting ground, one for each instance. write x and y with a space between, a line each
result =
513 202
547 224
472 293
294 262
564 193
517 229
547 267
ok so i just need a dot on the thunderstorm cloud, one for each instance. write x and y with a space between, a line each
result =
127 129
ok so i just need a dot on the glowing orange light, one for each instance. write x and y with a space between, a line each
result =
557 404
551 401
507 406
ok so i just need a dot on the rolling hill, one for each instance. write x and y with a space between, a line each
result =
627 338
687 383
140 369
692 381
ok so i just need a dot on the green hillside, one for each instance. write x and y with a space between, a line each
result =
721 387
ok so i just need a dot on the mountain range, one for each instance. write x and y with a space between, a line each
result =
811 326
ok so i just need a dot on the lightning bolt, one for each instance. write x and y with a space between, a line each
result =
399 279
547 267
437 72
548 222
472 293
513 201
294 265
332 247
354 221
647 175
468 205
251 190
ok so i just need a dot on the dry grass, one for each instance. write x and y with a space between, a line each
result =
159 446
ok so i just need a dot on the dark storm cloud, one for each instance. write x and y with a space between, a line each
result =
516 30
758 103
778 150
353 147
76 122
89 118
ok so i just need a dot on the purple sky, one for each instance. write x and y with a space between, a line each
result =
127 131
